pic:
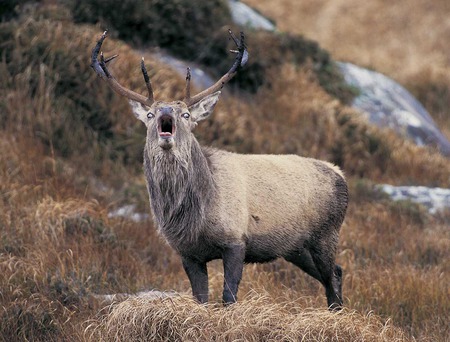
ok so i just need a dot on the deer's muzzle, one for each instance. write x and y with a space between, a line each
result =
166 127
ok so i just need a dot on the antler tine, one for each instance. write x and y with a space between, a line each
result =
240 61
101 70
147 81
187 97
109 59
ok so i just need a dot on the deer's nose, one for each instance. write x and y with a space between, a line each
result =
166 111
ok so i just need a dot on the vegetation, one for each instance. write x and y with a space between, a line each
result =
71 152
256 318
182 26
170 25
267 51
409 46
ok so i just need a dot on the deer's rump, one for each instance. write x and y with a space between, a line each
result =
285 202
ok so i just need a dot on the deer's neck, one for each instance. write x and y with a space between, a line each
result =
181 187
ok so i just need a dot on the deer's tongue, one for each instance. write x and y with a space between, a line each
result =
165 134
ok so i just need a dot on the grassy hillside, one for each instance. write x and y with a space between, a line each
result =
71 152
406 40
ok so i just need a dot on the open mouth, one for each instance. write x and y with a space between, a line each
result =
166 127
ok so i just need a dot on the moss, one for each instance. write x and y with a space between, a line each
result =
68 289
86 225
364 190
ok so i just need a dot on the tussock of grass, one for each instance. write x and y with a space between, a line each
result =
256 318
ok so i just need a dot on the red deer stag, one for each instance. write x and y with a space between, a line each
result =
212 204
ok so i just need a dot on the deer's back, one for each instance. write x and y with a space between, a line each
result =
276 197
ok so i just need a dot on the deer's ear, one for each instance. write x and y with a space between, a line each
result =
139 110
203 109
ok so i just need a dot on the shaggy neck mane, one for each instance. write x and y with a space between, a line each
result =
180 185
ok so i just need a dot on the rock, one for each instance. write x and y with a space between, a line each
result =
434 199
200 78
128 212
242 15
246 16
387 104
383 101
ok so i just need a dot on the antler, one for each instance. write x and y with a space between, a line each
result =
101 70
240 61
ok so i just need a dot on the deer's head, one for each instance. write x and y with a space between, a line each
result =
170 123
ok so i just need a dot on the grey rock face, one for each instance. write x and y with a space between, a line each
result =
247 17
388 104
200 78
434 199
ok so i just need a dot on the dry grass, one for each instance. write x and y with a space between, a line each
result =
407 40
58 247
295 115
256 318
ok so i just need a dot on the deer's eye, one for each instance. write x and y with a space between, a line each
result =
150 115
185 115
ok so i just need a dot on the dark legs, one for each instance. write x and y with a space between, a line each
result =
198 276
337 289
233 263
321 267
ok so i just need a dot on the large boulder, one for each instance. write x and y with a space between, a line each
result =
246 16
386 103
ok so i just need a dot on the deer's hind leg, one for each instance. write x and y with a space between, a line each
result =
321 266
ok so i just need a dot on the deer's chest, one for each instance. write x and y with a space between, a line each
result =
202 248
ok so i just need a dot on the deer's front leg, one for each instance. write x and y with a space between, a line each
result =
198 276
233 263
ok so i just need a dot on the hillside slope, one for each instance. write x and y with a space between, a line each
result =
406 40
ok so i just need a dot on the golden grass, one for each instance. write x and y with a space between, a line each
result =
400 39
300 117
406 40
256 318
58 248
